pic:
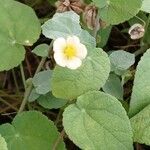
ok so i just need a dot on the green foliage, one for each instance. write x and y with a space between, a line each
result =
145 18
146 36
19 26
103 35
3 144
134 20
67 24
98 121
92 119
141 126
30 131
52 2
41 50
117 11
32 3
33 95
121 61
146 6
62 25
41 82
48 101
114 87
141 96
92 75
87 1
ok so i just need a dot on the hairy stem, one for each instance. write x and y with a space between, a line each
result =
23 76
58 140
15 81
59 116
30 87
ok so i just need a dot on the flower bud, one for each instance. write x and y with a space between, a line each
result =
91 18
68 5
136 31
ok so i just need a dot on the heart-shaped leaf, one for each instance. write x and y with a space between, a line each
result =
67 24
146 6
48 101
117 11
18 26
30 131
114 87
41 50
41 82
97 121
141 96
121 60
92 75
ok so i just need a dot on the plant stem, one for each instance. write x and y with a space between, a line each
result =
58 140
30 87
23 76
8 104
138 146
26 96
15 81
58 116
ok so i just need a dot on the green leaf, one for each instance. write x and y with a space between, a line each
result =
41 82
114 87
87 39
41 50
62 25
135 20
87 1
121 60
141 126
52 2
48 101
126 76
67 24
146 6
98 121
103 35
117 11
30 131
3 144
141 96
146 36
18 26
32 3
93 73
33 95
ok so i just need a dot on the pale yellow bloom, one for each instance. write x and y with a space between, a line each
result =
69 52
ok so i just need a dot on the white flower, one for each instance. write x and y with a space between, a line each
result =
69 52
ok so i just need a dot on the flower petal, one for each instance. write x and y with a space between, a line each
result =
59 45
81 51
73 40
74 63
60 59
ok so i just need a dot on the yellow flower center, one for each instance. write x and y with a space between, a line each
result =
70 51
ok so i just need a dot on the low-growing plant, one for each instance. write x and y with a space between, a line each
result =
83 88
